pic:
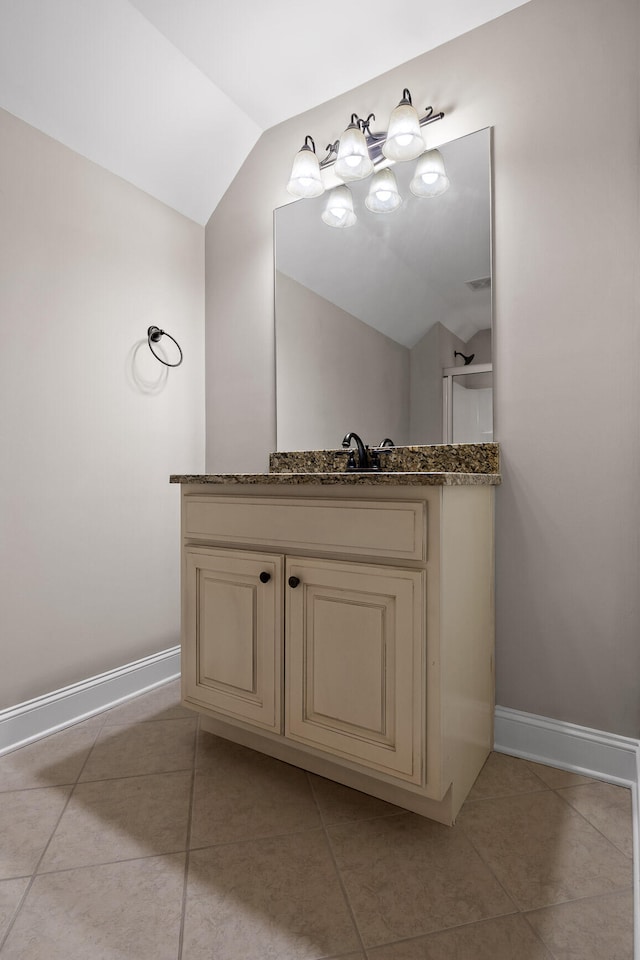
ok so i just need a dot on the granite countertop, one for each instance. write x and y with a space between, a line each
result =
450 464
397 478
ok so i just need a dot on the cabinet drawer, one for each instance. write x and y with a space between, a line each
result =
376 527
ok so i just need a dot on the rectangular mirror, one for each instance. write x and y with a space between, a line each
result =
369 318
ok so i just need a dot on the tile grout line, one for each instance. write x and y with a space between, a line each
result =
109 863
522 912
490 869
335 866
78 783
615 892
131 726
47 845
267 836
592 824
187 857
537 935
141 720
558 791
551 906
135 776
440 930
508 796
46 786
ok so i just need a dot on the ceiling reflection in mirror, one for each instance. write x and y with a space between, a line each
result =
369 317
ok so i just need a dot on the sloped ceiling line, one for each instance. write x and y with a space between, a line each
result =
143 88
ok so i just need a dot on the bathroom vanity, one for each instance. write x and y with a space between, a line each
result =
343 621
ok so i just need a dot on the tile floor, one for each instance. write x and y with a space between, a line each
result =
133 835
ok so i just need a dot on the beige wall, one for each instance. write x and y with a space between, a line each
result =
425 383
558 82
90 429
429 357
330 362
480 346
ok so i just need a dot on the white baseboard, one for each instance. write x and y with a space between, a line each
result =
38 718
592 753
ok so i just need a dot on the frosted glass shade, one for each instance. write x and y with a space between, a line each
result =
339 209
353 161
383 196
430 178
306 179
404 138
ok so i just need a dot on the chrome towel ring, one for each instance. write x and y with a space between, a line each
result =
153 336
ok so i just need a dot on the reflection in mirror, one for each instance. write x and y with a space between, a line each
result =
368 318
468 404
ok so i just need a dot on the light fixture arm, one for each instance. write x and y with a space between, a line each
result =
365 125
374 140
332 153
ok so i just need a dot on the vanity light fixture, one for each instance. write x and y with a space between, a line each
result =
339 209
404 140
306 179
353 161
356 155
383 196
430 178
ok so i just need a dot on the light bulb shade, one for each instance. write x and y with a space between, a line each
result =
383 196
353 161
339 209
404 138
306 179
430 178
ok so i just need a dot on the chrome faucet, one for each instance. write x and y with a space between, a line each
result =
363 455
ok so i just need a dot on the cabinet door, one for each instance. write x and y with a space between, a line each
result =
355 652
232 634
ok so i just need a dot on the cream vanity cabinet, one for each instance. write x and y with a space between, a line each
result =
347 629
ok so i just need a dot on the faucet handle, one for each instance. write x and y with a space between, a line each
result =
374 459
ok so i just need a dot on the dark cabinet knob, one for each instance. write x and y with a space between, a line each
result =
294 581
265 577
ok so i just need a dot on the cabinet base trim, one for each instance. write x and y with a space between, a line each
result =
54 711
440 810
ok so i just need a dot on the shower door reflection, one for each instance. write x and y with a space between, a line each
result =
468 404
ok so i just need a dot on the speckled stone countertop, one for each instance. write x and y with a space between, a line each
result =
432 479
463 464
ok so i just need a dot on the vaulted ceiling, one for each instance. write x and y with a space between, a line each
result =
171 95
